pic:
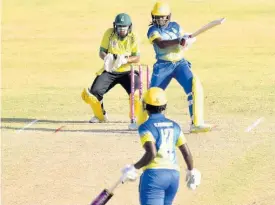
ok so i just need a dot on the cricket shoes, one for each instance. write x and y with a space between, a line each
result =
133 125
96 120
200 128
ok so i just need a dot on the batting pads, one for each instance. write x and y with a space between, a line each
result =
198 102
137 108
136 103
142 116
94 103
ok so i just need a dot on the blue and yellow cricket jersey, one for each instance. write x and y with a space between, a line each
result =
167 135
172 31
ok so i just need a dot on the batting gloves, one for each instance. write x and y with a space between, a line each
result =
129 173
193 178
186 41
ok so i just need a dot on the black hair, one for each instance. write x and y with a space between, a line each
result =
155 109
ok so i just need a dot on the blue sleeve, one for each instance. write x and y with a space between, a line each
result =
150 31
142 129
179 138
153 34
145 134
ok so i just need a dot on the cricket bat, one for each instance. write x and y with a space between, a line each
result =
106 194
207 27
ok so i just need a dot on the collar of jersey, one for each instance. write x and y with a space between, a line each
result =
123 39
157 115
164 27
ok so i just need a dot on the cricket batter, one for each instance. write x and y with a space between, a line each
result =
159 137
169 44
119 49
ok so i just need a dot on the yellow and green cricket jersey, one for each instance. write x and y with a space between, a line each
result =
111 43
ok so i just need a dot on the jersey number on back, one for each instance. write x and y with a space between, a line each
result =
167 136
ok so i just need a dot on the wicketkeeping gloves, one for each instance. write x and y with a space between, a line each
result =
193 178
129 173
113 62
109 62
120 60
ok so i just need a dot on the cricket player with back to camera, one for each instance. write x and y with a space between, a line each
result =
159 137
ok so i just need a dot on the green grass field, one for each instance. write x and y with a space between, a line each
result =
50 53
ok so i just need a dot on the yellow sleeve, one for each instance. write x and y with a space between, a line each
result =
135 46
154 35
181 140
105 40
147 137
99 72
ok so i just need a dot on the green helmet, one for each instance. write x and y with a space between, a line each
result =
123 20
122 25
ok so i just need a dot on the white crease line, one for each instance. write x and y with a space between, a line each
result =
255 124
28 125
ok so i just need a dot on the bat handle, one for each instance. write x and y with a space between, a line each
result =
118 182
192 35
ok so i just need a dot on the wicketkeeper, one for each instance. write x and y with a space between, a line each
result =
159 137
119 49
169 43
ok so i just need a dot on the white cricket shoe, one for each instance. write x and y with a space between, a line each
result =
133 125
96 120
200 128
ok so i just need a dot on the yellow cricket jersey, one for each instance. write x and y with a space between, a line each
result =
111 43
166 135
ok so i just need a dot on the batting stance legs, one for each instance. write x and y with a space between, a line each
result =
101 85
164 71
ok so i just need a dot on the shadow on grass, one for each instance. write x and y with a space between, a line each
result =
64 130
27 120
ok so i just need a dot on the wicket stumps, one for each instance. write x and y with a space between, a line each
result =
141 67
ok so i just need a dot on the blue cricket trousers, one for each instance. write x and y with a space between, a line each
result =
158 186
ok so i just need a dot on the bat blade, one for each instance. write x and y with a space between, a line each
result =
208 26
102 198
107 194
